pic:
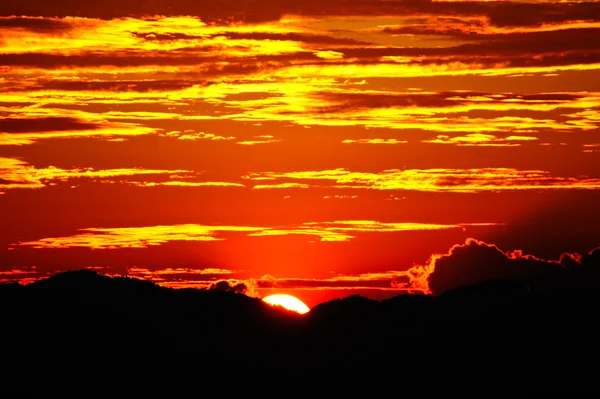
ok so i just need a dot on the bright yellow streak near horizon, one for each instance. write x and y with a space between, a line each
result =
288 302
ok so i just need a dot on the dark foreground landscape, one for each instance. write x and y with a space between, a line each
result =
83 332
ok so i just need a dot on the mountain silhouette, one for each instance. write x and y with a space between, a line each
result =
502 335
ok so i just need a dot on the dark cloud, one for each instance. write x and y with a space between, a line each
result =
358 100
291 36
209 62
44 60
345 101
141 86
500 13
527 14
369 56
359 282
39 25
536 42
563 40
49 124
166 37
476 261
560 48
296 37
228 286
541 41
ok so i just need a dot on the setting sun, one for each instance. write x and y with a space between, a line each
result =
289 302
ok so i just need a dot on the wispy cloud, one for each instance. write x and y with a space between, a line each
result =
480 139
264 139
374 141
147 236
18 174
294 70
435 180
22 131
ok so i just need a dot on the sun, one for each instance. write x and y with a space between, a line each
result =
289 302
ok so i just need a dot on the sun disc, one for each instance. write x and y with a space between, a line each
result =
289 302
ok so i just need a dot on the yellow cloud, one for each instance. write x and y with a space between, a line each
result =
448 180
374 141
480 139
15 174
147 236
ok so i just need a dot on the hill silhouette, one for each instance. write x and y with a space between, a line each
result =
79 327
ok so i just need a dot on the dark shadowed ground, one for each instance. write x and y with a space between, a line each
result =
87 334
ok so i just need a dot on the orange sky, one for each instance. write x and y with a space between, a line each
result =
314 148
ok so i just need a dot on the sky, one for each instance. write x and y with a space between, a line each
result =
319 149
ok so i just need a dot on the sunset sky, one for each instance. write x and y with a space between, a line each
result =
312 148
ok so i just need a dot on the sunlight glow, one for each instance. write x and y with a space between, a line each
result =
289 302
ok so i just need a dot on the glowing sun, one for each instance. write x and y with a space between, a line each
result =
288 302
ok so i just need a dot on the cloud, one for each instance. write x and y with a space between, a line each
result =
135 237
343 230
387 281
81 85
22 275
279 185
186 62
18 174
45 124
184 277
158 41
226 280
228 286
431 180
228 11
291 36
374 141
489 41
148 236
595 147
448 111
178 183
480 139
265 139
476 261
28 130
465 264
192 135
35 24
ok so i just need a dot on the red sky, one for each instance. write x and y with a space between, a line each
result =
314 148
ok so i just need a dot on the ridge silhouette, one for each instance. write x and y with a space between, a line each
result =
506 334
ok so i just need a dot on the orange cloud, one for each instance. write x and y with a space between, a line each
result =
386 281
244 12
434 180
374 141
327 103
192 135
595 147
135 237
147 236
23 131
186 184
280 185
180 277
15 173
22 275
341 230
480 139
265 139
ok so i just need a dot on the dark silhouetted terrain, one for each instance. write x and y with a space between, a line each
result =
83 332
